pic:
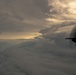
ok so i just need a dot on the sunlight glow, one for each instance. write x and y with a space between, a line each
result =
72 7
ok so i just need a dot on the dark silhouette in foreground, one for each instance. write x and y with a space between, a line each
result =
73 35
72 39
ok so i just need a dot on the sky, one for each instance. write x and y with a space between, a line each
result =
24 19
39 28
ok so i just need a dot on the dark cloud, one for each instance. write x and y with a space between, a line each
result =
22 16
48 54
40 56
43 5
54 27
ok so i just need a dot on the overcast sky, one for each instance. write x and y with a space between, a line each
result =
47 54
25 18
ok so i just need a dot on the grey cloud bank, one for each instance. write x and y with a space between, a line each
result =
49 54
22 16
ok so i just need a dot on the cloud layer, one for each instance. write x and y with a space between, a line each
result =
22 16
47 54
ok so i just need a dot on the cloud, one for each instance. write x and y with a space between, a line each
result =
43 5
22 16
47 54
62 10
